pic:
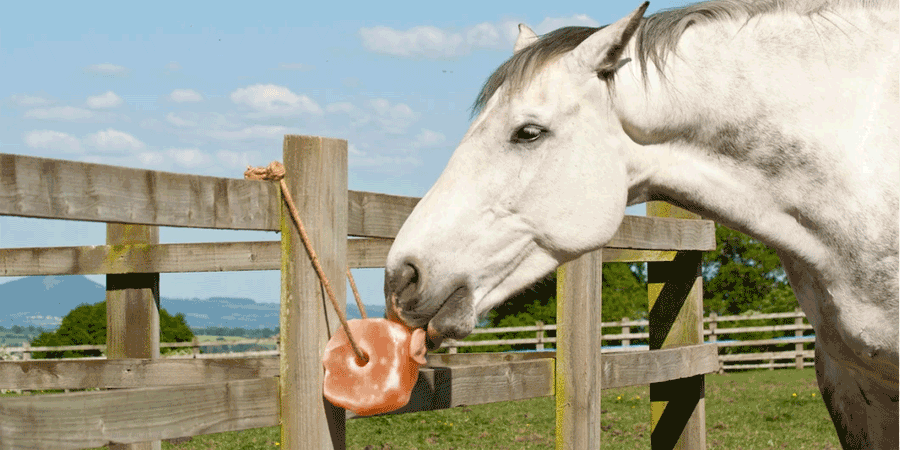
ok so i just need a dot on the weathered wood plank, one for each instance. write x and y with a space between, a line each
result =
578 370
626 255
317 180
131 373
161 258
208 257
56 189
447 387
377 215
170 258
657 233
675 294
481 359
656 366
132 308
93 419
368 253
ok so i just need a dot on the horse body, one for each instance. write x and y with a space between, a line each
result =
781 123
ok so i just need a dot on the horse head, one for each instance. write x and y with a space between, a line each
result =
539 178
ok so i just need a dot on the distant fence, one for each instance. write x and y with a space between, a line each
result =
732 350
734 358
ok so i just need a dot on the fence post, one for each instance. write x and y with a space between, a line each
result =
195 347
798 347
540 335
26 351
626 329
132 307
316 176
713 325
675 293
451 349
578 340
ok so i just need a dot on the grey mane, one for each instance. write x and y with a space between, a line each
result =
656 38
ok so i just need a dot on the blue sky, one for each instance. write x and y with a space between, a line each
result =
209 87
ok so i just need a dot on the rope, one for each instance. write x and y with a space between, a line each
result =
275 172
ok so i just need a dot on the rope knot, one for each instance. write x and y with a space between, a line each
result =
273 172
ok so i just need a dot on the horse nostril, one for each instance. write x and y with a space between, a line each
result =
406 287
402 287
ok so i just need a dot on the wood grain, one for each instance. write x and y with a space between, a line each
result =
170 258
55 189
447 387
132 307
131 373
93 419
377 215
317 180
675 294
578 362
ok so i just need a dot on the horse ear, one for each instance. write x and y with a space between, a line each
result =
602 50
526 38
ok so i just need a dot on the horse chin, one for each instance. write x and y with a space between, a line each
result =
455 319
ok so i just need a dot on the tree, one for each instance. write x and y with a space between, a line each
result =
744 275
624 295
86 325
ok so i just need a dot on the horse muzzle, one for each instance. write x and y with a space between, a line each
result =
452 316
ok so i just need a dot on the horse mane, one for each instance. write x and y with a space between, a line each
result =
656 38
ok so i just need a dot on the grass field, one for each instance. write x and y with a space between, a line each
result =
751 410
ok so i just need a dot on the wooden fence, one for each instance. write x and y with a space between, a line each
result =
156 399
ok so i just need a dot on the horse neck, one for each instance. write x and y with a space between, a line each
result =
731 142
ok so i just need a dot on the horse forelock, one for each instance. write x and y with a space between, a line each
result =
522 66
656 38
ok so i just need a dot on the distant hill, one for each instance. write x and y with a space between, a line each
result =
43 301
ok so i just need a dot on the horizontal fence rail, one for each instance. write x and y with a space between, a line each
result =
68 190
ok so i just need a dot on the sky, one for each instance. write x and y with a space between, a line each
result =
208 88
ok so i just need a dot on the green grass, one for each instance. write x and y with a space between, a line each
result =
750 410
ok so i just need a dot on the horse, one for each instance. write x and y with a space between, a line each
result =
777 119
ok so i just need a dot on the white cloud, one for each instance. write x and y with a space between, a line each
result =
188 157
428 138
357 115
151 158
353 151
179 122
393 119
173 66
108 99
253 132
576 20
238 160
59 113
52 140
108 69
436 43
185 95
29 100
426 41
112 140
272 100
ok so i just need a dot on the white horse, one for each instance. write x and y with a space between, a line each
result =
776 119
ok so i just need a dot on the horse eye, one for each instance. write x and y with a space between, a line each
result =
528 133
